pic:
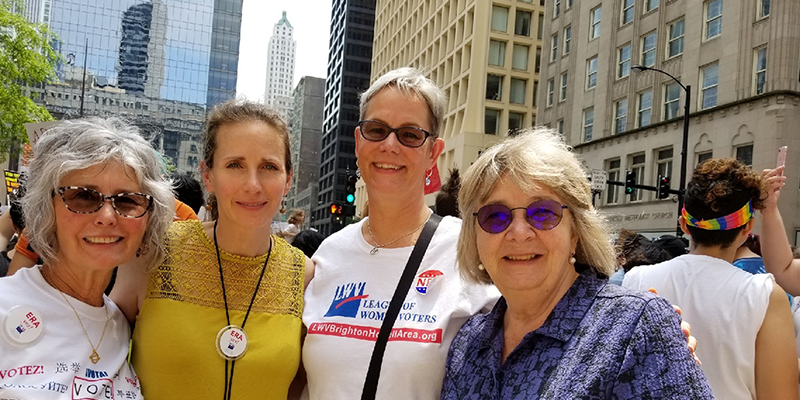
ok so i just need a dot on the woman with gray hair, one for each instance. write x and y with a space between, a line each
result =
95 199
358 268
560 330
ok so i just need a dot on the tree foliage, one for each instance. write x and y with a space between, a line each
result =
27 59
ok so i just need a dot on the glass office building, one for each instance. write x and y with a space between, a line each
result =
159 49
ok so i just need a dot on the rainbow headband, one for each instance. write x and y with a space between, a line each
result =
728 222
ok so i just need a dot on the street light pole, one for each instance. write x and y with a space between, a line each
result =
685 143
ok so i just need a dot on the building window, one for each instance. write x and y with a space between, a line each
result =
497 53
588 123
706 155
540 27
710 78
499 19
567 39
612 191
518 90
645 108
569 4
664 162
649 50
515 122
494 87
522 25
763 8
713 24
535 92
650 5
538 59
554 48
760 70
591 73
551 88
624 61
560 127
563 94
675 42
745 154
594 25
491 123
627 12
637 166
620 115
672 94
519 59
557 8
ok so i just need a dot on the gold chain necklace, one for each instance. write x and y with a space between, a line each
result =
94 357
379 246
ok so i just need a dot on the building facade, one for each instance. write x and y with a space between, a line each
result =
150 61
740 59
349 61
305 142
280 68
485 55
38 11
224 60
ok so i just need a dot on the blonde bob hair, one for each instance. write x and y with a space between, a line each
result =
534 158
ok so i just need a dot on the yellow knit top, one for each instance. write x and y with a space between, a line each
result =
174 351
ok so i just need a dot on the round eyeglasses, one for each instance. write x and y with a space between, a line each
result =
83 200
543 215
376 131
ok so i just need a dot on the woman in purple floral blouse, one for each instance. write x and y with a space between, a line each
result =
560 331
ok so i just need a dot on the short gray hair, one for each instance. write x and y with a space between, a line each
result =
82 143
534 158
412 81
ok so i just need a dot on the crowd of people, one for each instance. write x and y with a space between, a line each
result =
513 289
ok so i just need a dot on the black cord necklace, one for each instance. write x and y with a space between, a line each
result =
231 340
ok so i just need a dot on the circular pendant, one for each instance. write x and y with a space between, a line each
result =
23 325
231 342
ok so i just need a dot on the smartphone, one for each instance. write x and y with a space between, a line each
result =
782 156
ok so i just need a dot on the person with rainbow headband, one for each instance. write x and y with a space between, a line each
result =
742 320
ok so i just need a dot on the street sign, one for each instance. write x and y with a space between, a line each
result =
599 178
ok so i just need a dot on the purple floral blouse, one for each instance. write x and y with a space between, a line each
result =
600 342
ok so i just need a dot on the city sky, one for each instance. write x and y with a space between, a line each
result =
311 22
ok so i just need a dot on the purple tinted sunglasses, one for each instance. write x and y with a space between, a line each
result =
543 215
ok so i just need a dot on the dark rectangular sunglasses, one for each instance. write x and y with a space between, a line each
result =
83 200
376 131
543 215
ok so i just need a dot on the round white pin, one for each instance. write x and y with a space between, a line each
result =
231 342
23 325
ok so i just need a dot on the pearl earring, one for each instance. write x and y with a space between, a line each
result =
572 259
480 267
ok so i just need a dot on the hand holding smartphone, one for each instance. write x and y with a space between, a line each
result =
782 157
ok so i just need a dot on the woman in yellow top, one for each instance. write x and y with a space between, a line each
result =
220 317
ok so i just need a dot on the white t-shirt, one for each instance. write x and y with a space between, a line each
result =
725 306
348 297
57 365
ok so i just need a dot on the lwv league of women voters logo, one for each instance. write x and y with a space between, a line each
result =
347 299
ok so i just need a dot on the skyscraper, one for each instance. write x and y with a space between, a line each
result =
38 11
306 140
349 63
740 60
225 38
280 68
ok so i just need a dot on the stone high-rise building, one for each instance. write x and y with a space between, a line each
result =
741 60
280 68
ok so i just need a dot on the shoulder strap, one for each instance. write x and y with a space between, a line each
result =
374 371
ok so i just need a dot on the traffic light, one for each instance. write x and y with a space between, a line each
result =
663 187
336 209
630 181
351 189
